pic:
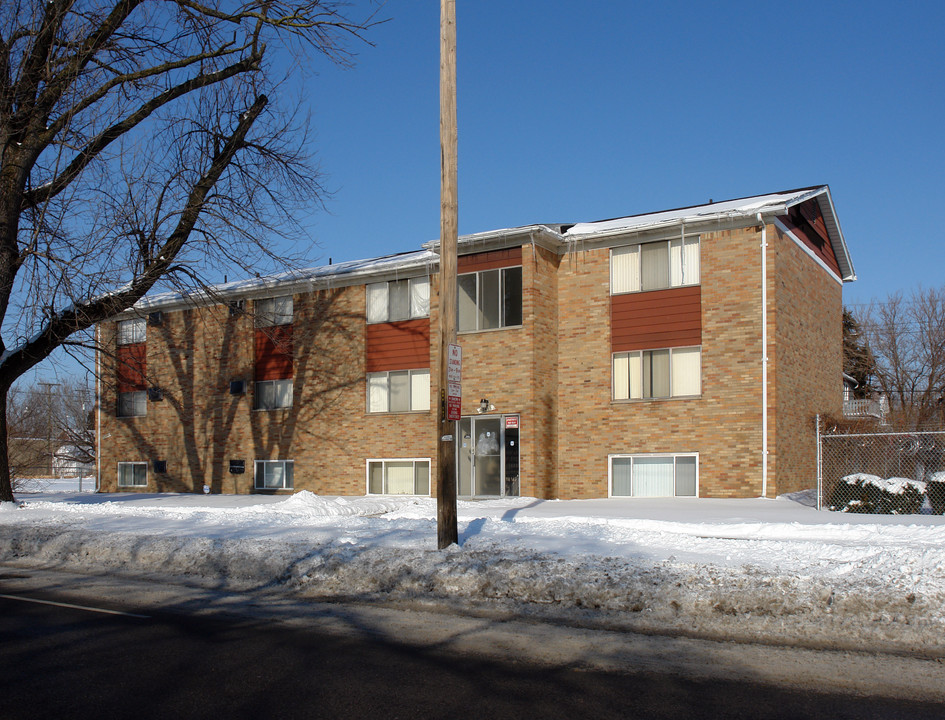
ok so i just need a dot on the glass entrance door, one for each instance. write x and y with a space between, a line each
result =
486 453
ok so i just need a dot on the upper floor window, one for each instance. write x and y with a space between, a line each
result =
398 391
398 300
133 403
132 331
490 299
655 266
647 374
274 311
273 394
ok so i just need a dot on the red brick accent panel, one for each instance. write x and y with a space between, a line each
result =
132 367
807 223
656 319
489 260
402 345
274 353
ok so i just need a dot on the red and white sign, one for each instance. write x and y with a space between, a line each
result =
511 422
454 408
454 375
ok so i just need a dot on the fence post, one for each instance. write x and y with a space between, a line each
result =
820 468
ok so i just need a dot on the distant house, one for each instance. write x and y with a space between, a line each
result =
71 461
855 408
676 353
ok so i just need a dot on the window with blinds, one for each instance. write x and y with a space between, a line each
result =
655 266
398 300
649 374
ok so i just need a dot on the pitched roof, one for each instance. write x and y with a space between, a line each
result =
557 236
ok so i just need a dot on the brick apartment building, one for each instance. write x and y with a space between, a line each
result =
683 352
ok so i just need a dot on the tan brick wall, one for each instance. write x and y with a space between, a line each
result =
807 360
723 425
555 371
199 426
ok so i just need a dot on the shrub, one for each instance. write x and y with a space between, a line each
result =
936 491
865 493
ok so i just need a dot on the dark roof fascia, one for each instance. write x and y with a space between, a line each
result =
837 240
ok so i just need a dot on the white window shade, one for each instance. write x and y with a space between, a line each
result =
621 377
377 302
400 478
687 370
420 390
691 263
653 477
419 297
625 269
377 393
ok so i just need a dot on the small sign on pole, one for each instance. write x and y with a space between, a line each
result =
454 375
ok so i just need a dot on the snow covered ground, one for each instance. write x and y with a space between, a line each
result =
770 570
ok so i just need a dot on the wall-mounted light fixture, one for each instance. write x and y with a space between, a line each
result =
485 406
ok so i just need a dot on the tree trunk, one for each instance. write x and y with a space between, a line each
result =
6 482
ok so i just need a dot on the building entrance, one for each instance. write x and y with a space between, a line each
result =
487 461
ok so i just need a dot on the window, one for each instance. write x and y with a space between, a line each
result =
490 299
274 311
653 475
655 266
398 300
132 474
132 331
398 391
133 404
272 394
399 477
274 475
645 374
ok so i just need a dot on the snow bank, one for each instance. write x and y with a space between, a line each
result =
752 569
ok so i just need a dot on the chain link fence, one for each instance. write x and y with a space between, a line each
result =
896 473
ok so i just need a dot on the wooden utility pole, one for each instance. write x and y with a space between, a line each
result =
446 532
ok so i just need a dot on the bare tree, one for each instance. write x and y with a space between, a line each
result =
907 339
50 424
139 149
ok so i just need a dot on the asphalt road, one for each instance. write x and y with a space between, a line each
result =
61 661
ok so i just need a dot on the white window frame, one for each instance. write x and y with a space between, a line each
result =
282 388
131 466
288 474
132 331
274 311
136 401
638 456
385 479
682 273
501 296
378 306
378 388
637 367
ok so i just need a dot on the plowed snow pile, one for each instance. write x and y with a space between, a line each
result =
774 570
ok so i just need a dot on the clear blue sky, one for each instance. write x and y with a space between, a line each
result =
582 111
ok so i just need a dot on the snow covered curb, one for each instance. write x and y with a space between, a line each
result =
760 570
745 603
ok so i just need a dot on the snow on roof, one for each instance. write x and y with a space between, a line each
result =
557 235
771 204
741 207
343 273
